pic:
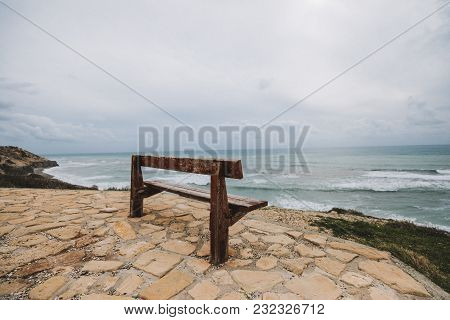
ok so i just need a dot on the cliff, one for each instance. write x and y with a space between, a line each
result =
18 170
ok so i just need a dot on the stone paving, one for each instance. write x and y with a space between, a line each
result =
59 244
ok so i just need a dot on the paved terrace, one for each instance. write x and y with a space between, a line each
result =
80 244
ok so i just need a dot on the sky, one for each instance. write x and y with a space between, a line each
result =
222 63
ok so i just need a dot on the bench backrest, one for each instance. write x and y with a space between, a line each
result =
226 168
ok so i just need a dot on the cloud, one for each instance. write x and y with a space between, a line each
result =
419 113
211 63
29 126
17 86
5 105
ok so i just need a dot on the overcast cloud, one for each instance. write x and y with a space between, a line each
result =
223 62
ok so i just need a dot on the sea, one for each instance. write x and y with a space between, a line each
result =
399 182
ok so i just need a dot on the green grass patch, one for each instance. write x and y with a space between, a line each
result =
346 211
425 249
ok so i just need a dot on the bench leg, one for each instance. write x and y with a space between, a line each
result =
137 183
218 222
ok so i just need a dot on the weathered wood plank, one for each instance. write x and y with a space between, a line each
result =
231 168
136 199
218 220
236 203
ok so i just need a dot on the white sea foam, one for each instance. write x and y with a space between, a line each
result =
390 185
444 171
292 203
408 175
196 179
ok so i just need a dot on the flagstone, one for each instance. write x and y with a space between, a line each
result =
376 293
296 265
368 252
78 287
267 263
104 247
21 219
246 253
102 296
204 290
101 232
204 250
129 284
265 226
38 228
30 240
48 288
315 238
394 277
294 234
250 237
308 251
232 296
159 236
102 266
278 250
157 262
341 255
124 230
235 229
279 238
314 287
331 266
356 279
109 210
222 277
136 248
51 247
65 233
279 296
64 259
235 242
12 286
178 246
168 286
192 239
236 263
105 283
70 211
198 265
252 281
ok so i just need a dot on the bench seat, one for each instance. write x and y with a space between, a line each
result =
237 204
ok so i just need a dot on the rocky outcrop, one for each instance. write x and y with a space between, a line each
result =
15 161
20 169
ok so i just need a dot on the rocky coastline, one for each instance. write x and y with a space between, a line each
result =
22 169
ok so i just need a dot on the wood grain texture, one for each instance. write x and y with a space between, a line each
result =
136 198
231 168
218 220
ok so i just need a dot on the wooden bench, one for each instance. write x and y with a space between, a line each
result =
225 210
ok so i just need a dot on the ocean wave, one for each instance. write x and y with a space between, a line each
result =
292 203
93 178
407 175
443 171
414 220
354 185
391 185
420 171
199 180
